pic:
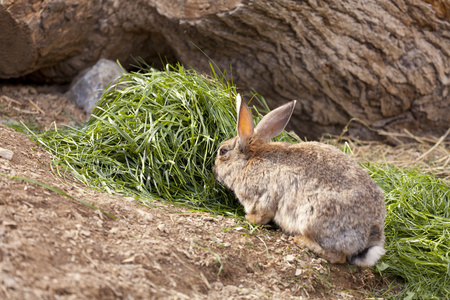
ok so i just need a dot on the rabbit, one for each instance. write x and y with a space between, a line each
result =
311 190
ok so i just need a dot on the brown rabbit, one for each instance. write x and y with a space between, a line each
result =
311 190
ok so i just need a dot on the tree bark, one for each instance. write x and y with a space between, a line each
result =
383 62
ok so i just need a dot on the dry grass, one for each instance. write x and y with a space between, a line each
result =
428 154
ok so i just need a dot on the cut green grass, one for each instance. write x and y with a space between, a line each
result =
154 134
417 231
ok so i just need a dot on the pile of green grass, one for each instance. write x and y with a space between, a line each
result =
154 134
417 231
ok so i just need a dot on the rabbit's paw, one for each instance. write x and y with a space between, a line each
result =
259 219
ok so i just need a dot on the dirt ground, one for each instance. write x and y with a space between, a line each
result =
54 247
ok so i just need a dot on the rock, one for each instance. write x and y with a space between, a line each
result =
6 154
161 227
88 87
290 258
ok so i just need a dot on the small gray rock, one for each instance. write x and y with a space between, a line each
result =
6 154
88 86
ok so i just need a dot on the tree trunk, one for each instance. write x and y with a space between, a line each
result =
383 62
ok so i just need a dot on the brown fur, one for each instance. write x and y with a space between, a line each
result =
311 190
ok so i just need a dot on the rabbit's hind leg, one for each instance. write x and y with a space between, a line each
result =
333 257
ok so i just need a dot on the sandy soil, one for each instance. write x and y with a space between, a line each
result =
54 247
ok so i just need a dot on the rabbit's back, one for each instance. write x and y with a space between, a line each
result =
316 190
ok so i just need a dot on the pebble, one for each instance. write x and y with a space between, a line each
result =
161 227
6 154
290 258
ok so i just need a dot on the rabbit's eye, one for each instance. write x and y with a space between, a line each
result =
223 151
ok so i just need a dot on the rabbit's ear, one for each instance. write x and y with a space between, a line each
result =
245 122
274 122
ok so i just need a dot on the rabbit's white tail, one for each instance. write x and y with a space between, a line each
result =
368 257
